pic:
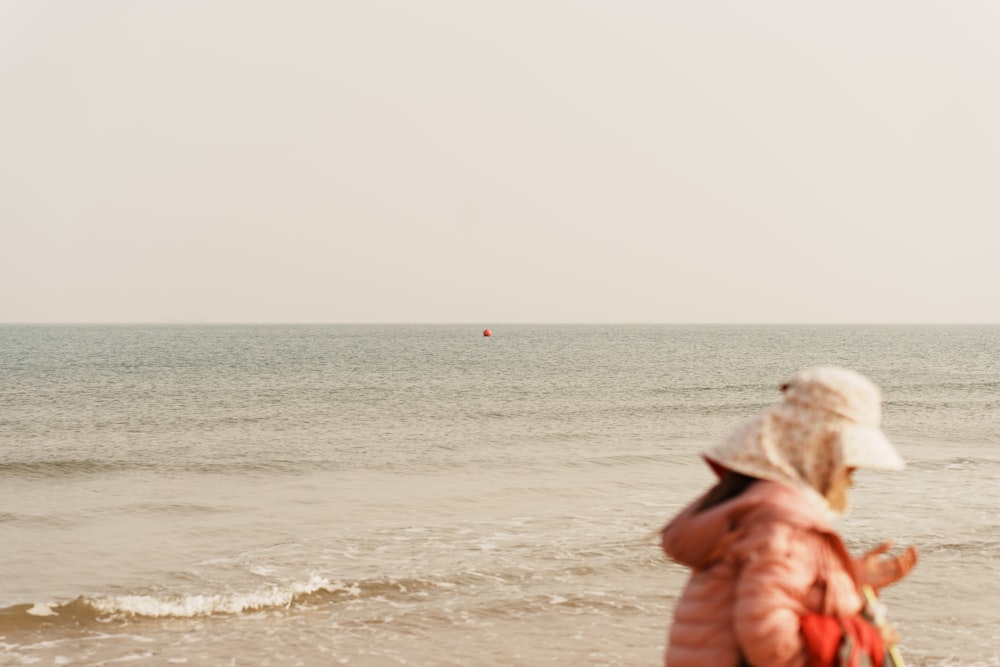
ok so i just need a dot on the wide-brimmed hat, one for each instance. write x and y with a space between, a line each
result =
830 419
847 394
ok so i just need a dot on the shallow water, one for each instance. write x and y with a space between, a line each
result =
421 495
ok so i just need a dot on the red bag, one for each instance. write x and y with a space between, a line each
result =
841 641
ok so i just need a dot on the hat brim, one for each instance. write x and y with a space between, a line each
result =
867 447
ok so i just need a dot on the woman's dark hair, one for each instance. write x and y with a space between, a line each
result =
731 485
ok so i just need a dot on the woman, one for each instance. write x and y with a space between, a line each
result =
759 544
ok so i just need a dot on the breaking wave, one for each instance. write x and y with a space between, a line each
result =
86 610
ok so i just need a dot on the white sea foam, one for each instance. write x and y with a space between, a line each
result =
205 605
42 610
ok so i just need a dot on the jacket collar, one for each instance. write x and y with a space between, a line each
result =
696 539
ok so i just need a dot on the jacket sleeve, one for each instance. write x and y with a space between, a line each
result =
778 571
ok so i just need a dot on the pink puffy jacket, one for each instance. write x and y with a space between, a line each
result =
759 561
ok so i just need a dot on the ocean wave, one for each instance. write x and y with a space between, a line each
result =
187 606
86 610
314 591
317 590
73 467
68 467
613 460
953 463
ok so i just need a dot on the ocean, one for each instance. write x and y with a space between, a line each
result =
424 495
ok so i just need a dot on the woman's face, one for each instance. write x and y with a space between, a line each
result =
839 486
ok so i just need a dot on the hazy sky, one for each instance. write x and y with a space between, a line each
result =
499 161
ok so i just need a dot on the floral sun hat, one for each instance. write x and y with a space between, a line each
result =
829 420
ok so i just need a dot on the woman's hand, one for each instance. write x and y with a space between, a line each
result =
878 570
889 635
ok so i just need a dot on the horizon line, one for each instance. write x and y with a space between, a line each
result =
467 323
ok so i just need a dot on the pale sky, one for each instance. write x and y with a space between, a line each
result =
499 161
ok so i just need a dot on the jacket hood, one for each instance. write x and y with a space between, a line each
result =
697 539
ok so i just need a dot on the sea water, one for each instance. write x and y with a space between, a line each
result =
428 496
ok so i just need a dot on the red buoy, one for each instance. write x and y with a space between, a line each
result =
487 332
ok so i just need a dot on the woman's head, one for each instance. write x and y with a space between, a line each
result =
827 425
